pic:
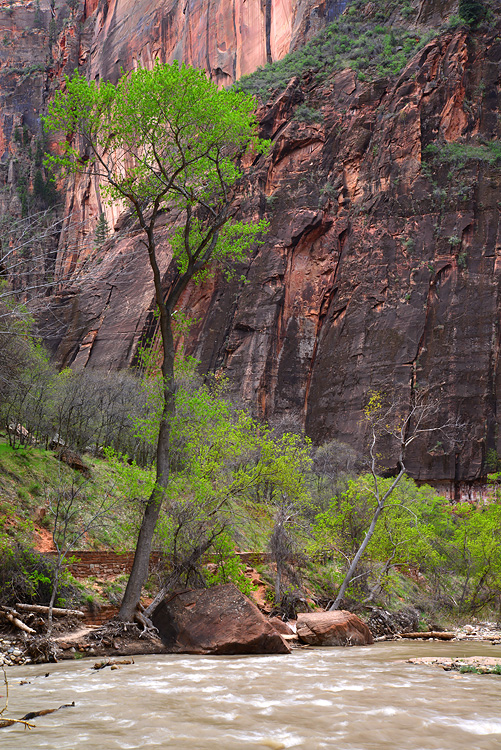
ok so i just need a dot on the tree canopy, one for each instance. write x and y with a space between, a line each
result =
166 137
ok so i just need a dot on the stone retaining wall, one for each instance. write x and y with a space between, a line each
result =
108 564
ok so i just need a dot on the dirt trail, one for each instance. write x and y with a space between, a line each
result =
43 541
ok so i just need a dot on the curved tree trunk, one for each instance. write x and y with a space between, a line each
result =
140 565
381 504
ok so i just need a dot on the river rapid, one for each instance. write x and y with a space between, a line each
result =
345 698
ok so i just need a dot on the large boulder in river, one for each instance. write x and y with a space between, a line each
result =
219 620
339 628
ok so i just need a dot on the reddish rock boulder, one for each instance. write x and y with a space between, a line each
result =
340 628
219 620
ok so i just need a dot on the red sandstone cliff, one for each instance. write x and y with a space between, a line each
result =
229 38
381 265
377 269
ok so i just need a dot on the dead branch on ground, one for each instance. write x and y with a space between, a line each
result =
10 614
56 611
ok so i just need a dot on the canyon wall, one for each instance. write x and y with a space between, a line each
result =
229 38
380 270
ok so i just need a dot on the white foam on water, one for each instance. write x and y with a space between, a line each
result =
345 686
385 711
273 739
479 726
230 716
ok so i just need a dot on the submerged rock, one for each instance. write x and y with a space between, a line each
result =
339 628
219 620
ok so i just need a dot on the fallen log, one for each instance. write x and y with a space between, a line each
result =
40 609
12 616
441 636
10 722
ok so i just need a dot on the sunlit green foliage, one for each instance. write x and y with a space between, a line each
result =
470 557
164 137
404 531
455 548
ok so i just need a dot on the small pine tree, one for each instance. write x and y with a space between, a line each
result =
38 184
102 230
471 11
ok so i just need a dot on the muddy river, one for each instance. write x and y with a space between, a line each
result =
343 698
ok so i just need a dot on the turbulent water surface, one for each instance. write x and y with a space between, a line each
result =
348 699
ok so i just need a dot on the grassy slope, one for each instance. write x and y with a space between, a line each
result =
29 475
377 45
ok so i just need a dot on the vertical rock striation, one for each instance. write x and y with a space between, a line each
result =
229 38
380 270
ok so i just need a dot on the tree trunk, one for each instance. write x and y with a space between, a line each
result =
140 565
356 559
381 504
278 586
54 592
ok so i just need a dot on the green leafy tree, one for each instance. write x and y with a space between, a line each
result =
471 11
469 570
163 139
405 535
221 459
397 426
72 520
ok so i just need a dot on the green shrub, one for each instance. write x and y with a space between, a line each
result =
471 11
229 568
27 576
469 669
304 113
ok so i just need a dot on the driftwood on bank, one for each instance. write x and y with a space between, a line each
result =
40 609
441 636
13 617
